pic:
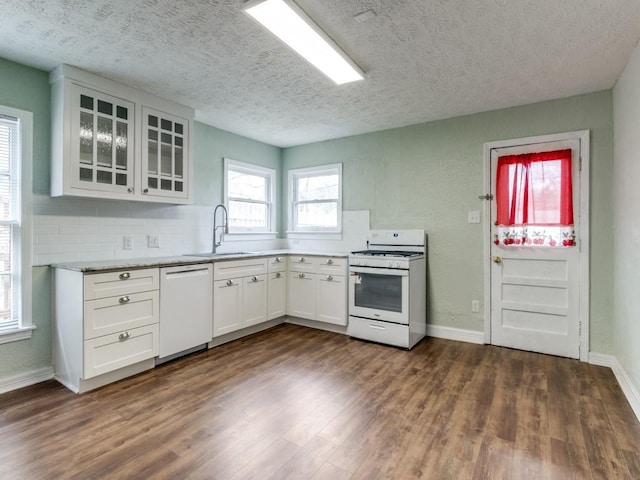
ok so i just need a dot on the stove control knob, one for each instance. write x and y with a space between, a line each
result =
390 264
362 263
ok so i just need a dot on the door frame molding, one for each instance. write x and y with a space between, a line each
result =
583 224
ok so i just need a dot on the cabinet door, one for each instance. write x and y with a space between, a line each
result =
254 300
227 298
302 295
332 299
165 155
102 142
277 295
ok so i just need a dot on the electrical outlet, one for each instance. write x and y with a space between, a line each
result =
127 242
474 217
153 240
475 306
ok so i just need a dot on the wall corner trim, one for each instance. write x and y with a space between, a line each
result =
458 334
624 380
25 379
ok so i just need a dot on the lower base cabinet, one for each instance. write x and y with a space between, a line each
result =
227 299
331 299
302 295
277 295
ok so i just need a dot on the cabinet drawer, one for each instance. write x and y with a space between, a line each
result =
114 314
302 263
332 265
111 352
239 268
277 264
121 282
381 332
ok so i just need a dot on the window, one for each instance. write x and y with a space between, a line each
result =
15 215
250 197
534 200
315 199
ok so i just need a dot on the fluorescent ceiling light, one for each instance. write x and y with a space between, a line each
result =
291 25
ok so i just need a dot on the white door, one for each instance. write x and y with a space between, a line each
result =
535 301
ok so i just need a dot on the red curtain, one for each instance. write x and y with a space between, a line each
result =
534 199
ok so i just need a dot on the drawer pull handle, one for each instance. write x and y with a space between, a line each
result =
124 336
329 262
125 276
254 279
329 278
376 327
278 259
301 275
124 299
302 260
229 283
278 275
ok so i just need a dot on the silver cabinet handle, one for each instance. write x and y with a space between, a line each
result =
302 260
278 275
229 283
278 260
329 278
254 279
125 276
130 190
301 275
124 299
146 190
329 262
124 336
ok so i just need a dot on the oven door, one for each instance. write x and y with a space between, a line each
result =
379 293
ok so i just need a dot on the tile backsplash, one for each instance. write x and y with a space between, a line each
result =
85 229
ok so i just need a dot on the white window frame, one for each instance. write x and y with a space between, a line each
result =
21 235
292 202
270 175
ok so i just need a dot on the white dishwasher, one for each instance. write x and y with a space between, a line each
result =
185 308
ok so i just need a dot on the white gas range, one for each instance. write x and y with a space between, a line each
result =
388 288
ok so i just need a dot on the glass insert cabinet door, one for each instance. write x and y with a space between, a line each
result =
101 141
165 140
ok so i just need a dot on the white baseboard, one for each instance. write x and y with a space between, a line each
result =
458 334
15 382
623 378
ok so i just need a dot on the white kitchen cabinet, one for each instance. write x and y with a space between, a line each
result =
254 300
277 287
302 295
277 295
227 302
239 294
165 141
105 145
331 299
106 325
318 289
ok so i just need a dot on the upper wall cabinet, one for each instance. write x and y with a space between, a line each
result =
111 141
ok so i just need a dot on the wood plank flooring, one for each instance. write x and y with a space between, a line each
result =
298 403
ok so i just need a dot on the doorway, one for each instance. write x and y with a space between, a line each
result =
537 278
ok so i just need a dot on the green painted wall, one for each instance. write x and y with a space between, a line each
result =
626 234
28 89
211 146
430 175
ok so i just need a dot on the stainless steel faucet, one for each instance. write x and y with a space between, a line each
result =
224 226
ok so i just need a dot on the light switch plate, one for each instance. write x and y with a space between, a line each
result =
127 242
474 217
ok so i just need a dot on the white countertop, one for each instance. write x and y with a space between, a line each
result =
147 262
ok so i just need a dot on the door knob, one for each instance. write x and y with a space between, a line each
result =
497 259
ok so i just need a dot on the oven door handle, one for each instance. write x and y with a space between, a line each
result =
354 271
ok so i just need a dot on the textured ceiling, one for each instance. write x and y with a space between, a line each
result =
424 59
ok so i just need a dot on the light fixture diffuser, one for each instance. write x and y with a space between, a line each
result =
290 24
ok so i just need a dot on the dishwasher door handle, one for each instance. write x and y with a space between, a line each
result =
186 273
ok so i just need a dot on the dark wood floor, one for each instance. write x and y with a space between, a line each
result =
299 403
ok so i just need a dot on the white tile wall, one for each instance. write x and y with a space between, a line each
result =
74 230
